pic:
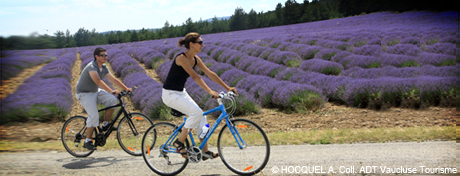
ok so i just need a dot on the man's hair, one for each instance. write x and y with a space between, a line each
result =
98 51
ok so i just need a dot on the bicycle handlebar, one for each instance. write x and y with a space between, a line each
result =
124 93
225 95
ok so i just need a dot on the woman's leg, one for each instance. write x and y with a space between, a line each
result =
182 102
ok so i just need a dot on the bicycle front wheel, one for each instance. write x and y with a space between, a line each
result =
159 153
130 131
73 136
251 154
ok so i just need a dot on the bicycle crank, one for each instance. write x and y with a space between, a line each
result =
194 154
100 139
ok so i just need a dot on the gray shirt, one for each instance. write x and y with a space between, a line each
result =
85 83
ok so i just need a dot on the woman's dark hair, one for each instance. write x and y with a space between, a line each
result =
190 37
98 51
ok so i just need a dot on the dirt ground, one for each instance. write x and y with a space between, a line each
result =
330 117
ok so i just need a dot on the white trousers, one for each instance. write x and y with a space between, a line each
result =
90 100
182 102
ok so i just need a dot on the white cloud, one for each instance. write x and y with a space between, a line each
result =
3 12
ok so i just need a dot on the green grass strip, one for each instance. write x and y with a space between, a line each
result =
339 136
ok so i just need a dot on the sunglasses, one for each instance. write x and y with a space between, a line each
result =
199 42
103 55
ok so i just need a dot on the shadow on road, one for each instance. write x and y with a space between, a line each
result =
91 162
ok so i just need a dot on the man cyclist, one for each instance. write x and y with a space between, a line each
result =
91 90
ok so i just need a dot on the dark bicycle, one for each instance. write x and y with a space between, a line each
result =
131 129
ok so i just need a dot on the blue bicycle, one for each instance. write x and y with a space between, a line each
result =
242 144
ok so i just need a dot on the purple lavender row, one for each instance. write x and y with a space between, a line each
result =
333 91
405 92
44 95
252 65
150 57
122 63
147 91
345 89
414 24
406 72
367 56
270 93
17 61
146 94
345 58
348 60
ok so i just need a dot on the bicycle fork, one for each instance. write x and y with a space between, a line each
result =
131 125
233 129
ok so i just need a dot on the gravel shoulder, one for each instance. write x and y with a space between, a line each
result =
341 158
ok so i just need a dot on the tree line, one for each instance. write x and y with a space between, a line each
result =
291 12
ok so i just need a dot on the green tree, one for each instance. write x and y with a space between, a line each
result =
82 37
112 38
125 36
60 39
189 26
253 20
279 10
134 36
69 40
292 12
215 25
238 21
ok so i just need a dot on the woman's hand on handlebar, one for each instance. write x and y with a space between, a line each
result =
129 90
233 89
215 95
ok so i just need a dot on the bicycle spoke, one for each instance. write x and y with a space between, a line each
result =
159 153
251 154
130 132
73 136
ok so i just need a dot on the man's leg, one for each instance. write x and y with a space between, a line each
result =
89 132
108 115
106 99
88 101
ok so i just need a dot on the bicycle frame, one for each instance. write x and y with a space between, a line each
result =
222 116
125 113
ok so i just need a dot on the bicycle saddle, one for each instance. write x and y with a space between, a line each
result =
176 113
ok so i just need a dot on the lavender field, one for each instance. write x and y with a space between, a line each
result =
374 61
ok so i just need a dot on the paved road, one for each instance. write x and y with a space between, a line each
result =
284 160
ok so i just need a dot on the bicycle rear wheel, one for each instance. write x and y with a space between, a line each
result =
159 153
73 135
255 151
130 135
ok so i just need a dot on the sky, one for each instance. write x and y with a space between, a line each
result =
24 17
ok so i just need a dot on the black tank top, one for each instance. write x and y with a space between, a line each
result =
177 76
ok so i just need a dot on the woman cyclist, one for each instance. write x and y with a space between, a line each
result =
175 95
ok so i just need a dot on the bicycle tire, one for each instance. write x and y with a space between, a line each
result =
158 160
73 136
130 142
252 158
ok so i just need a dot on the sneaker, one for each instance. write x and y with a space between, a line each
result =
105 128
89 146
